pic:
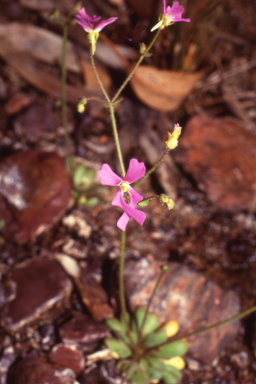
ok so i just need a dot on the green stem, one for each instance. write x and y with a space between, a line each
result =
112 117
97 76
152 169
164 269
135 67
64 95
115 133
121 281
233 318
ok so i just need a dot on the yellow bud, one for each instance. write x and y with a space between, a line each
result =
171 328
115 355
172 140
177 362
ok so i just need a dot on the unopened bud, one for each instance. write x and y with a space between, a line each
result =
81 105
167 200
172 140
142 48
170 328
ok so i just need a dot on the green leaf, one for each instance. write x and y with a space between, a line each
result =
119 347
139 378
155 363
83 176
172 377
154 374
154 339
115 325
92 202
139 316
174 371
176 348
151 323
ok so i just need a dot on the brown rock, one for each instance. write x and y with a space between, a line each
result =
67 356
33 370
40 289
221 156
93 295
188 298
34 193
83 330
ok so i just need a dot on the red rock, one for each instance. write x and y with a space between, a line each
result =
83 330
35 192
33 370
40 288
188 298
220 154
67 356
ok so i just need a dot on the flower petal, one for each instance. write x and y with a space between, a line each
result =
99 26
135 197
135 171
164 6
123 221
107 176
137 215
174 13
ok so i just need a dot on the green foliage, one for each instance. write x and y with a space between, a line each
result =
143 350
84 188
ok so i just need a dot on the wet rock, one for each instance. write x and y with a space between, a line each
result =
41 289
34 193
93 295
33 370
188 298
67 356
221 156
84 331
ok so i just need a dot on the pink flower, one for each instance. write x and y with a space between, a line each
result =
173 13
93 26
92 23
170 15
126 197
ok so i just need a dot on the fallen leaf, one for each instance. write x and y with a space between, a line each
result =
161 89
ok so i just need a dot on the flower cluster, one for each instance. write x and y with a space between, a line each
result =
126 197
170 15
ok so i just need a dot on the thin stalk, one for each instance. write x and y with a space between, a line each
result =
121 281
112 117
97 76
64 95
152 169
117 143
136 66
233 318
150 300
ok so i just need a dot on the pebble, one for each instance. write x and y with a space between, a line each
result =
220 154
83 331
41 289
67 356
190 299
34 193
34 370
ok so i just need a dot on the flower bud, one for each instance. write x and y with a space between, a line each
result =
172 140
167 200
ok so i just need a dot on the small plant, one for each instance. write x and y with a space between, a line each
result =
144 350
